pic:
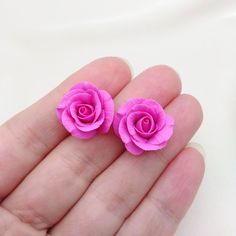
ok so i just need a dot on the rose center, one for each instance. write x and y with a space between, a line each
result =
84 110
146 124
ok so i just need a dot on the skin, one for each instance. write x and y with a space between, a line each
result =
54 184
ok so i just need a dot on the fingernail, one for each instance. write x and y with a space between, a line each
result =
198 147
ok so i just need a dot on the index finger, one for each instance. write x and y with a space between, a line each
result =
29 136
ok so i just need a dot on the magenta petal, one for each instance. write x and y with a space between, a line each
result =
82 121
96 101
138 138
67 121
144 108
86 118
123 131
129 104
74 96
140 130
154 109
147 146
123 111
135 128
132 119
86 93
91 126
83 135
108 106
85 110
143 125
140 125
133 149
63 103
161 119
165 133
143 136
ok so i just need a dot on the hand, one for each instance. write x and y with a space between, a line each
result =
52 183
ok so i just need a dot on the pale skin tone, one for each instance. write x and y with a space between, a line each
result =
54 184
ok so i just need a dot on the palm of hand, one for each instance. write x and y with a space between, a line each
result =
52 183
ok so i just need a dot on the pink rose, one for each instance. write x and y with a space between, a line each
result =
143 125
85 110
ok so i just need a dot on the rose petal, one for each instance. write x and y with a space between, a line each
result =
132 118
98 118
67 121
148 146
96 102
70 126
165 133
108 106
154 108
138 138
75 96
139 129
133 149
123 131
63 104
144 108
80 120
84 110
129 104
83 135
144 135
91 126
145 124
124 111
160 119
130 123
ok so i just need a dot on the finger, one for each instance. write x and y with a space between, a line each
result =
30 135
119 189
171 196
74 164
10 226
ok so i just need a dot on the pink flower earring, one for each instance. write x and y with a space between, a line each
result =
143 125
85 110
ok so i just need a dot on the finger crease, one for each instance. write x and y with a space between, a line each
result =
81 164
164 209
32 141
33 220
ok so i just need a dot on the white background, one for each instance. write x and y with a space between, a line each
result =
42 42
